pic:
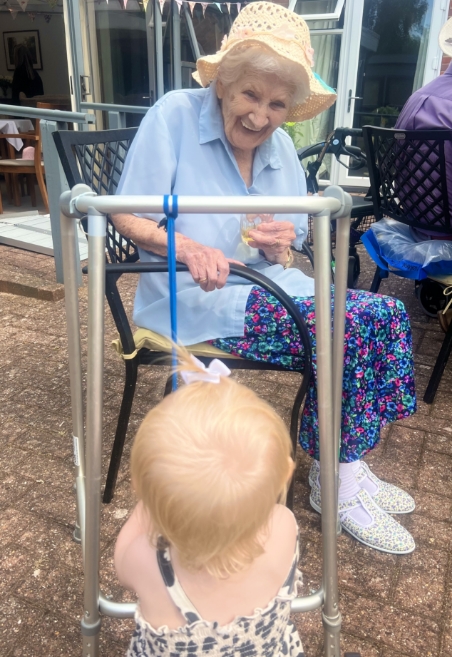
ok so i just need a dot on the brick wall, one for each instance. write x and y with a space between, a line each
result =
446 60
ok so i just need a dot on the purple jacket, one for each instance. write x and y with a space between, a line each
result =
431 107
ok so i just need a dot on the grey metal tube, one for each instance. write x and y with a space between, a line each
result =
308 602
70 270
50 115
96 290
208 204
158 49
116 609
322 250
191 32
111 107
177 67
340 294
127 609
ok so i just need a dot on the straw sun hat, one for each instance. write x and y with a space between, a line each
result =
287 35
445 38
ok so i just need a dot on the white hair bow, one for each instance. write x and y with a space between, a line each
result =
209 374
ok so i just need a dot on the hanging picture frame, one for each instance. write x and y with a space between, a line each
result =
28 38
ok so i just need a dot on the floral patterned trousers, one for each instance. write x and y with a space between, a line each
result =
378 384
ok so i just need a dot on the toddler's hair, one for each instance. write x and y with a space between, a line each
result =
209 463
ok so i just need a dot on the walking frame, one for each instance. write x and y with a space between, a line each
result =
81 201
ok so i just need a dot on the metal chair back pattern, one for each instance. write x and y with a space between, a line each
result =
407 170
99 164
97 159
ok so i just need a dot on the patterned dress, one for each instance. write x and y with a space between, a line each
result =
378 383
268 632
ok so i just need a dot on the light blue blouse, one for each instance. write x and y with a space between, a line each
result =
181 148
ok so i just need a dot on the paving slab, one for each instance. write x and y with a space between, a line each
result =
391 606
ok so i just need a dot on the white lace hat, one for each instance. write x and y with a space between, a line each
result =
445 38
287 35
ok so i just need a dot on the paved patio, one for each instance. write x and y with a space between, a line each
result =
391 606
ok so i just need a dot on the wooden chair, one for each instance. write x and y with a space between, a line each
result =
13 168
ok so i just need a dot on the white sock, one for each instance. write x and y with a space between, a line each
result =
348 488
368 485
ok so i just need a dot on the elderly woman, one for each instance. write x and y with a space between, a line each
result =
225 139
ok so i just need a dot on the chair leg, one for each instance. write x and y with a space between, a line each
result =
121 429
31 188
376 281
15 190
168 386
42 187
440 365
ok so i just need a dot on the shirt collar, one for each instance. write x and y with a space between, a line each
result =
211 127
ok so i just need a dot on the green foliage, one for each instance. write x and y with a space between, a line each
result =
294 130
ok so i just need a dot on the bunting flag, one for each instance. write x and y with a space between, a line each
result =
228 7
204 6
13 13
191 6
179 5
145 4
124 2
162 4
22 4
239 4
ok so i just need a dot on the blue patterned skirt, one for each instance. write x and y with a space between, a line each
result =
378 384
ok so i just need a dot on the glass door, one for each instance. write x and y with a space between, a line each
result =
384 63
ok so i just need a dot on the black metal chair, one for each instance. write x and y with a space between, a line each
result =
407 171
97 159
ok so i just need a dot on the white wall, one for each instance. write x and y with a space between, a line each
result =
54 72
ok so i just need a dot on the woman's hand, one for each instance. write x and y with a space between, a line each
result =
273 238
209 267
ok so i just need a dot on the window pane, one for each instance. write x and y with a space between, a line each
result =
326 57
391 60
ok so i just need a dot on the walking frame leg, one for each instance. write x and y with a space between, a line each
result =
330 359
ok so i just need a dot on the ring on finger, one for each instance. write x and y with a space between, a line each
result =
202 280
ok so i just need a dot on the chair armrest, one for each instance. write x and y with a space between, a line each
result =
236 270
31 136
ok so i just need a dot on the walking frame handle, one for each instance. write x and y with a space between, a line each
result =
335 203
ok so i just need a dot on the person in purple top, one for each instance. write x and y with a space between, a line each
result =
431 107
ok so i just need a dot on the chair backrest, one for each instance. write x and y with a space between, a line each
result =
97 159
407 170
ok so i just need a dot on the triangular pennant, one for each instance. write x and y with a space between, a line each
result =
22 4
179 5
191 6
124 2
145 4
228 7
204 6
218 5
13 13
162 4
238 5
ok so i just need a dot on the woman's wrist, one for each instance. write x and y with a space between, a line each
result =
285 258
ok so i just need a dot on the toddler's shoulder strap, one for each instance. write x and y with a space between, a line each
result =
173 586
